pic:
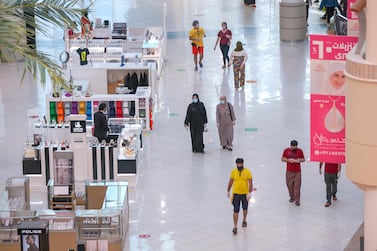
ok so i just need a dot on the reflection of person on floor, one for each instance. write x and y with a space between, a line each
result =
225 120
332 173
196 119
30 240
293 156
238 58
242 183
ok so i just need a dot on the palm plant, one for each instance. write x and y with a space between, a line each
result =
20 20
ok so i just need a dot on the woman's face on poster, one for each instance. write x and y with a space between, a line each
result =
337 79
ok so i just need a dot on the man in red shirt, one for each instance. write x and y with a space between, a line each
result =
293 156
332 173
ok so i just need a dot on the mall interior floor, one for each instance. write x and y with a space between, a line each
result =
180 197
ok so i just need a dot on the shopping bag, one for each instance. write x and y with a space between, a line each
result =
207 137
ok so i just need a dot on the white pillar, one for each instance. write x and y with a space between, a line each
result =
370 219
371 35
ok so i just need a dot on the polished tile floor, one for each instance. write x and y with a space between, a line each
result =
180 198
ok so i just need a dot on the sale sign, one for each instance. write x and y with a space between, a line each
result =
327 100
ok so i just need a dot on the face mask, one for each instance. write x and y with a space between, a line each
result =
222 102
195 100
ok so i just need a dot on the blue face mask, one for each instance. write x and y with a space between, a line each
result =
222 102
195 100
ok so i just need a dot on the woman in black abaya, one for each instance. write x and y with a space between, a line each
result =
196 118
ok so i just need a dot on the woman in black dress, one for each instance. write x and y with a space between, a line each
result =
196 119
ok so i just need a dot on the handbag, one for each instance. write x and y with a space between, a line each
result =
230 112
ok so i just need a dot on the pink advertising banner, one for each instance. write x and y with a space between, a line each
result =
327 128
352 23
330 47
327 87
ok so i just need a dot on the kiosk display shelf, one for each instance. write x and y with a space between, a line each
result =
138 105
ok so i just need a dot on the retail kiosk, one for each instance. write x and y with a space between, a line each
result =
101 223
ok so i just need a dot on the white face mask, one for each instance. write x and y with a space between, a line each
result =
222 102
195 100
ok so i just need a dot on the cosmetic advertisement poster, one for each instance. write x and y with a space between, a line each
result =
352 22
327 99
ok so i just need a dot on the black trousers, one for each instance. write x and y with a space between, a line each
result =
224 50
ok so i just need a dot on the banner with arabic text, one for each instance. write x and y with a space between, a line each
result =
327 99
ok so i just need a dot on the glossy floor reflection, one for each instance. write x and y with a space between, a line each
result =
180 200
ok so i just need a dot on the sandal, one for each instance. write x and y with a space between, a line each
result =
244 224
234 230
327 204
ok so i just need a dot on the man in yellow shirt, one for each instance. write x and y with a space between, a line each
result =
241 180
196 36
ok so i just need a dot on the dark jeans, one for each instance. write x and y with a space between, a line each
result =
331 180
224 50
329 13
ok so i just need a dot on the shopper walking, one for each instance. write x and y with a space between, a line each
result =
238 59
224 36
242 183
100 123
293 156
196 36
196 119
225 120
332 173
330 8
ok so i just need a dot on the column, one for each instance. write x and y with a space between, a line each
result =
361 123
292 20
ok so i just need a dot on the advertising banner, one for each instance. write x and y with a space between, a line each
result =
327 100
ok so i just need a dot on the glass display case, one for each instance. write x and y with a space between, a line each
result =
17 193
31 161
9 220
110 222
129 150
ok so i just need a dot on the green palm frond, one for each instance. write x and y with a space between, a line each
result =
15 24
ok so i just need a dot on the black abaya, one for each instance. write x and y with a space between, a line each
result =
196 117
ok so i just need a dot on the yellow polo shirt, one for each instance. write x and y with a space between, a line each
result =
197 34
240 181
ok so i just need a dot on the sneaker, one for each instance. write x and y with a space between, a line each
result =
334 198
196 68
291 200
298 203
244 224
234 230
201 65
224 67
327 204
